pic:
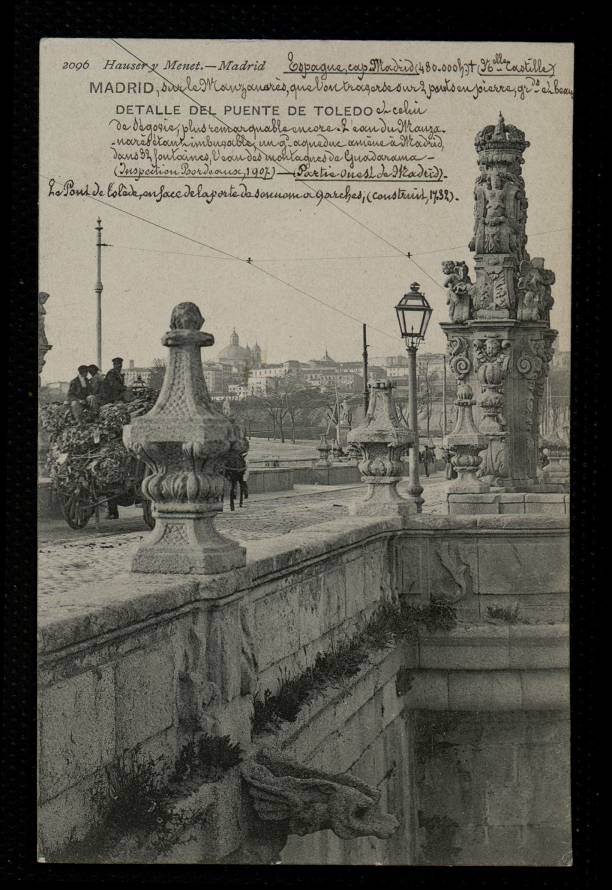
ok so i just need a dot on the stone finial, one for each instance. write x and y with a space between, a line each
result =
306 800
184 441
324 449
382 439
467 443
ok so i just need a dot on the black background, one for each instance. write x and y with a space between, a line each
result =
477 21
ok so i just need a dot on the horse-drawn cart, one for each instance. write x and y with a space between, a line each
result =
88 464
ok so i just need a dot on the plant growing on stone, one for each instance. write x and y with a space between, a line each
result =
390 623
508 614
206 759
135 802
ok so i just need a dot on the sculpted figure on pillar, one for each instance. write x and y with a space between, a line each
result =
460 288
501 205
509 284
534 287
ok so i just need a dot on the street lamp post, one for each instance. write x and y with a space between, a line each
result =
98 290
413 314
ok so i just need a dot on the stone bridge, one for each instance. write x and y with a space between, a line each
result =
462 730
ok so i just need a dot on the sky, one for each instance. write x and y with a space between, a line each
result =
147 270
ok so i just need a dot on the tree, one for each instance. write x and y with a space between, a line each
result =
249 411
294 401
427 377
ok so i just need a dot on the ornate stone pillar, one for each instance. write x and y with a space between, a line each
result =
185 440
499 334
467 443
382 439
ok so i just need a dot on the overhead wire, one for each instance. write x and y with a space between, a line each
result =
225 254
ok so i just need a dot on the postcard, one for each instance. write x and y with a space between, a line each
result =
303 452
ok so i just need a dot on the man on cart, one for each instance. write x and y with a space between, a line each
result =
79 392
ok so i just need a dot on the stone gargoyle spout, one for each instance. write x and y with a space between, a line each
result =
306 800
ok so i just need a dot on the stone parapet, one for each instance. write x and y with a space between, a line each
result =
339 474
551 503
138 664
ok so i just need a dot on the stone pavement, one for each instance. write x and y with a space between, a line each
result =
70 558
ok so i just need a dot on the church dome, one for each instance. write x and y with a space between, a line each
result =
234 353
326 361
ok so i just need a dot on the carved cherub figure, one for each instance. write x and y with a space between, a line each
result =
491 359
459 287
480 212
534 286
530 308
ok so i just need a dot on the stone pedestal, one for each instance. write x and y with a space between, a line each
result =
505 364
382 440
185 440
466 443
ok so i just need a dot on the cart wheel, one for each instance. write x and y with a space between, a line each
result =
147 513
76 514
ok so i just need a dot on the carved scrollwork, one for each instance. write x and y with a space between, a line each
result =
528 364
459 361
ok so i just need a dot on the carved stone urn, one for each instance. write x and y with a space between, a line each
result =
184 441
382 439
467 443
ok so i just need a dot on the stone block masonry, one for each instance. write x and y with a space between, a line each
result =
138 666
500 781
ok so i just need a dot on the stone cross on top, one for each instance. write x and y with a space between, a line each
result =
184 440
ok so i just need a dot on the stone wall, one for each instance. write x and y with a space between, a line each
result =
503 503
339 474
136 666
495 786
488 562
267 479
